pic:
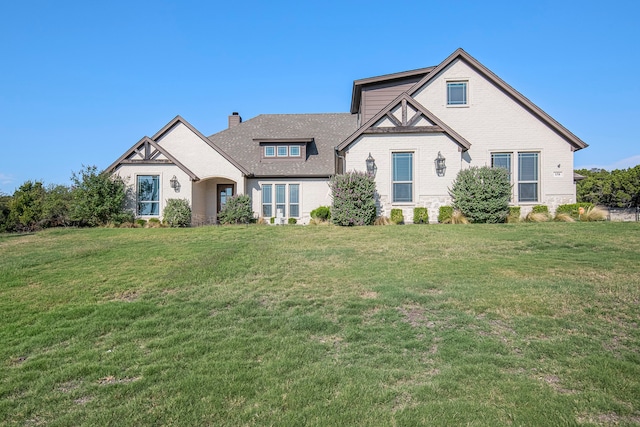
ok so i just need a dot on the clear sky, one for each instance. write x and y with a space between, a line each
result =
82 81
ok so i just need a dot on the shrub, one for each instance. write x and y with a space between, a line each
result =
97 198
141 222
482 194
323 213
573 209
594 214
154 223
262 221
272 220
540 209
353 199
237 210
26 207
444 214
420 216
396 216
292 221
563 217
177 213
4 211
382 220
458 218
537 217
514 214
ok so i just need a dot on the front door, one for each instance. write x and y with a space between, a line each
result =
224 192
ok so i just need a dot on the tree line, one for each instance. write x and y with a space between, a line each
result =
93 199
619 188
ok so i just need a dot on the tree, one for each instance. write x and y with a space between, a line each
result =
26 207
618 188
4 211
56 207
482 194
354 200
98 198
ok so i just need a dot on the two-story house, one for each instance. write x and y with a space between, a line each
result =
414 130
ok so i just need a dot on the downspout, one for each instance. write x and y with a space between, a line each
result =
338 157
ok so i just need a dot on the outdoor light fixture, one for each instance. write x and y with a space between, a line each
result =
371 166
173 182
441 167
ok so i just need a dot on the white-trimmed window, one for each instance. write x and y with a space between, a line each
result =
148 194
269 151
294 200
294 151
528 187
282 151
402 177
456 93
267 201
501 160
281 199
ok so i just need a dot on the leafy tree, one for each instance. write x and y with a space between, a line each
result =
482 194
26 207
237 210
98 198
353 199
177 213
618 188
4 211
56 207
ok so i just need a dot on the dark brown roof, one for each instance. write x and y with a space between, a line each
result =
325 131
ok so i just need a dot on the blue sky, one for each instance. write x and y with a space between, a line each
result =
82 81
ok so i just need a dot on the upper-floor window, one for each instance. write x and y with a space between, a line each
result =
269 151
456 93
283 151
294 151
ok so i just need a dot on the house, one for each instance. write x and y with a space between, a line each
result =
414 130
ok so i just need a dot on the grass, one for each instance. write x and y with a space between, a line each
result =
513 324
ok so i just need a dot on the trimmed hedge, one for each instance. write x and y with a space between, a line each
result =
420 216
573 209
322 212
444 214
396 216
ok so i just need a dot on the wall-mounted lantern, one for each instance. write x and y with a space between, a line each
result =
371 166
441 167
173 182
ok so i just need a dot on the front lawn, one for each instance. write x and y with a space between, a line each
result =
513 324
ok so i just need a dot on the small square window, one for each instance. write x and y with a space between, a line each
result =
457 93
269 151
282 151
294 151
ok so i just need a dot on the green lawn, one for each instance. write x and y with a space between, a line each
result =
515 324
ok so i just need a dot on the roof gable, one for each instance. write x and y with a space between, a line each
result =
149 152
179 120
405 115
576 142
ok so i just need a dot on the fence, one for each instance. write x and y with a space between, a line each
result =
624 214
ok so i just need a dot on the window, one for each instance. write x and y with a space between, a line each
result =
282 151
148 195
267 199
281 199
457 93
294 151
501 160
269 151
527 177
402 177
294 200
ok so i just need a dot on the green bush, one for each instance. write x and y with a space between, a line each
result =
323 213
514 214
4 211
177 213
272 220
396 216
292 221
420 216
573 209
353 199
97 198
26 207
154 223
141 222
482 194
237 210
444 214
540 209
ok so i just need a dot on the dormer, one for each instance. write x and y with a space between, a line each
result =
283 149
372 94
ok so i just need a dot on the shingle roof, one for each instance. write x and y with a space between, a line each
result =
327 130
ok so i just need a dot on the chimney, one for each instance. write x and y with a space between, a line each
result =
234 119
